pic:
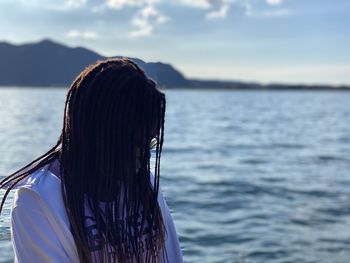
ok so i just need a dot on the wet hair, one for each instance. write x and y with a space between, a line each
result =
113 115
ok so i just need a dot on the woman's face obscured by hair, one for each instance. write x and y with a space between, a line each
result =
114 110
118 99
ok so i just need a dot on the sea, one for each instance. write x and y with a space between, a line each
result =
249 176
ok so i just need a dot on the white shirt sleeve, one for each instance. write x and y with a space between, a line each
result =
172 244
32 235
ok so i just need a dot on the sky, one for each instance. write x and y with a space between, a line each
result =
268 41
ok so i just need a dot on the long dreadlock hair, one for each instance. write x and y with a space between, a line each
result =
112 115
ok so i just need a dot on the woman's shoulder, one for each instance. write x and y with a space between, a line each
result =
41 188
40 184
40 192
37 180
38 212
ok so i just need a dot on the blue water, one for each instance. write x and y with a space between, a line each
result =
255 176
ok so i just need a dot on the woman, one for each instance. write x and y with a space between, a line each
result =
92 197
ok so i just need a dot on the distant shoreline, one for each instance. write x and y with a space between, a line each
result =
192 88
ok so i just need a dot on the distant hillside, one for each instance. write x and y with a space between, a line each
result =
48 63
51 64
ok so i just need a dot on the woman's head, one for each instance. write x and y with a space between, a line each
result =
113 113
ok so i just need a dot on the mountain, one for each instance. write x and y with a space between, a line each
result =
48 63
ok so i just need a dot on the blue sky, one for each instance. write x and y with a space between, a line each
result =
290 41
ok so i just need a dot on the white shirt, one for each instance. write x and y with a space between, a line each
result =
40 229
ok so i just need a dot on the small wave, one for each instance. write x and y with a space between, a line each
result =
334 241
254 161
328 158
335 212
288 145
268 255
182 150
210 240
312 192
217 168
273 179
300 222
269 146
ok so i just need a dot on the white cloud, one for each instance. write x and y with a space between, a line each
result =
118 4
75 3
274 2
250 11
144 28
145 20
146 17
217 8
222 12
81 34
197 3
49 5
149 11
162 19
220 8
